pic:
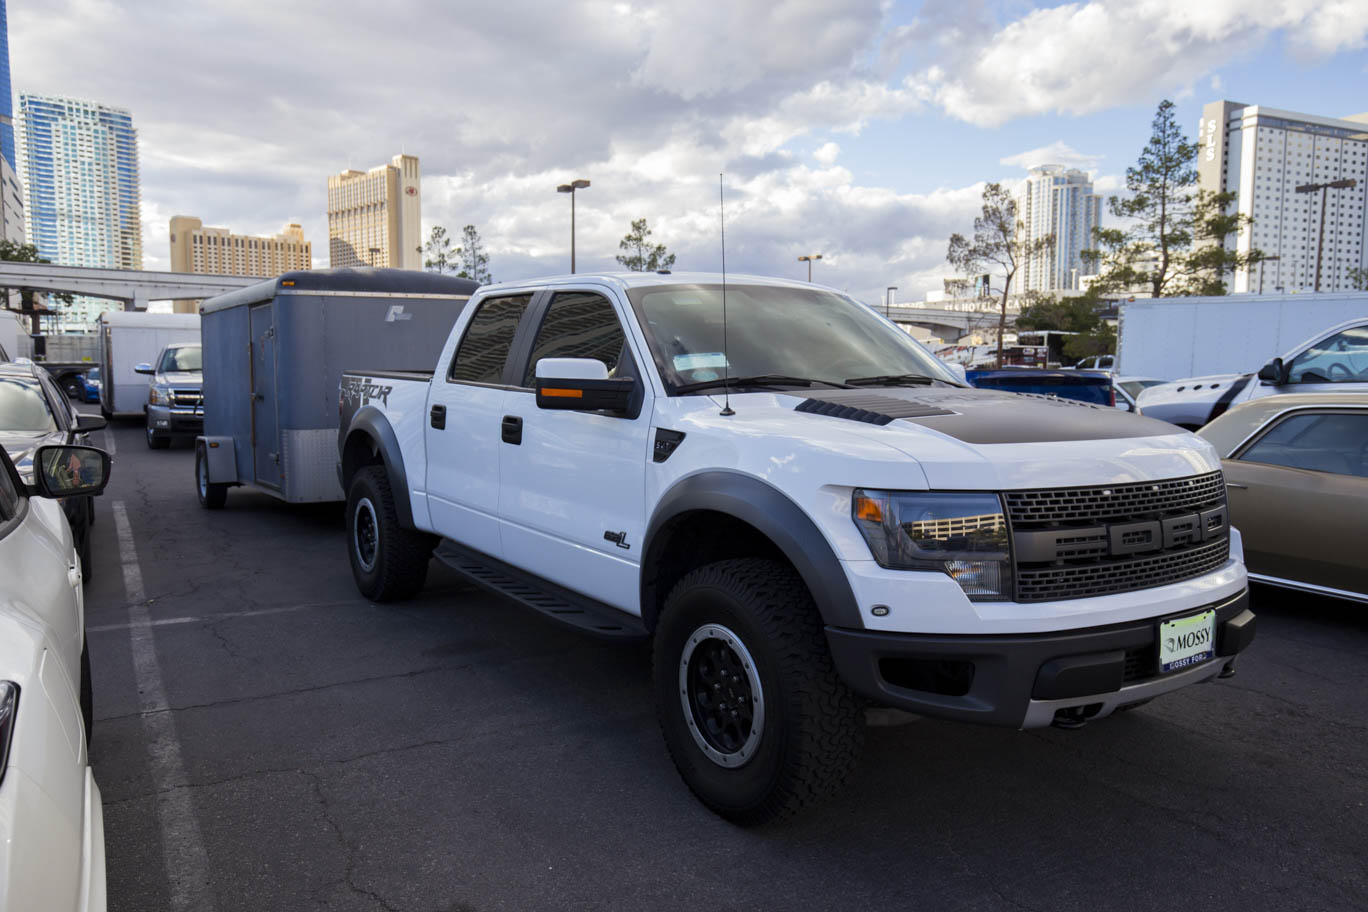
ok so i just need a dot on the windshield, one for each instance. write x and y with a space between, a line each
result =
184 358
23 408
776 331
93 374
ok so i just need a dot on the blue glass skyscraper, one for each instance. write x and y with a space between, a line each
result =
6 99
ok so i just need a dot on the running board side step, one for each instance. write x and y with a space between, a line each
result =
559 604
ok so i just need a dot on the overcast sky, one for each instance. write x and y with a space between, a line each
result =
859 130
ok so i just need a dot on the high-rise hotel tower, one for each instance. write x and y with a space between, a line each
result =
375 216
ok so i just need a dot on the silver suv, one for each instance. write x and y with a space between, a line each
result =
175 399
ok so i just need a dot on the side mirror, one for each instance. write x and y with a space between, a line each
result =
1273 372
581 385
143 368
69 471
87 423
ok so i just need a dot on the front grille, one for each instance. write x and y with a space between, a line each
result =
1115 503
187 398
1104 578
1091 556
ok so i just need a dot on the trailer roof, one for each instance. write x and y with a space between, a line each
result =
356 281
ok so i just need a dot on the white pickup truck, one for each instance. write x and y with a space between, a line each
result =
803 509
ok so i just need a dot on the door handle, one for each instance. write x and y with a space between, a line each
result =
512 429
437 417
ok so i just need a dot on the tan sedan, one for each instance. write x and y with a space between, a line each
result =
1296 469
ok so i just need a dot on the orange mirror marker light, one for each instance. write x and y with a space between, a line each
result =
563 393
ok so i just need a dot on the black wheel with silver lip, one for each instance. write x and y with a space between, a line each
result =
211 496
756 719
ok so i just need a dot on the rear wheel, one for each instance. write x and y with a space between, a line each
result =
211 496
756 719
389 562
156 441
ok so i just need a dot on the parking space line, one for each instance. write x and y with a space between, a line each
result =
187 867
215 618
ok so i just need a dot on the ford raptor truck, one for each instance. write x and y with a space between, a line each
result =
803 509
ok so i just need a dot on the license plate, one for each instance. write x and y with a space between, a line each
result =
1186 641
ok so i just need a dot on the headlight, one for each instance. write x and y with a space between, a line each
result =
963 535
9 704
159 396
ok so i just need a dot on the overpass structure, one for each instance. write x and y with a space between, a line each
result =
133 287
947 323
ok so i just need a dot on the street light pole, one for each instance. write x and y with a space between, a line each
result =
888 300
1343 184
570 188
808 259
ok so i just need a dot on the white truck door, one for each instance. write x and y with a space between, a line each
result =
462 431
572 497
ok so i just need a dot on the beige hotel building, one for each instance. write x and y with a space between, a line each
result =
375 216
217 251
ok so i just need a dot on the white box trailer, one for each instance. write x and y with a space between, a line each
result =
128 339
15 341
1175 338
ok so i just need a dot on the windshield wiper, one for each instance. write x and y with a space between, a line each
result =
757 380
892 380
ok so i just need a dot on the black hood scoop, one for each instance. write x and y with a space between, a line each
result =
871 408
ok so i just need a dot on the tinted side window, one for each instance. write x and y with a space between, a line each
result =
1342 358
9 498
482 353
1335 443
578 325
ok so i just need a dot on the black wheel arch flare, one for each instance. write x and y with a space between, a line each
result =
771 513
372 424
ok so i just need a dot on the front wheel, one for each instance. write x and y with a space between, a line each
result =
389 562
211 496
156 441
757 721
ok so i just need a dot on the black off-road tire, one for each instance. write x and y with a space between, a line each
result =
211 496
87 694
812 732
389 562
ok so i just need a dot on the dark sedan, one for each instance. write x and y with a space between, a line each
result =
34 413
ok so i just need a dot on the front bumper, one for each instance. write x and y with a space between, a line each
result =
1022 680
170 420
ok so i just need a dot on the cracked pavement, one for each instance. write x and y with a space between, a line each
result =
459 753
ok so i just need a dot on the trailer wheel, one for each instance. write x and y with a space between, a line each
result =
757 720
389 562
211 496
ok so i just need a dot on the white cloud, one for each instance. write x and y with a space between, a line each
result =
1217 84
827 154
1078 58
1056 153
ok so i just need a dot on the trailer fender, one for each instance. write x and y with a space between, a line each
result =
371 424
221 459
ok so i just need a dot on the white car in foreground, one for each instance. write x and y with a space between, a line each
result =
51 826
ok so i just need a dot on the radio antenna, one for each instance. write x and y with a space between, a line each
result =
726 362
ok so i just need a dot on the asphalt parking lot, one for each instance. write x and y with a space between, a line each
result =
266 739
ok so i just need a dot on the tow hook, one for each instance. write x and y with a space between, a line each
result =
1228 671
1070 719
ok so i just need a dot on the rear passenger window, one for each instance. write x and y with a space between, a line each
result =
1336 443
482 353
578 325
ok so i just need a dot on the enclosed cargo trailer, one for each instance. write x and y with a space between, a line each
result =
1173 338
130 339
273 360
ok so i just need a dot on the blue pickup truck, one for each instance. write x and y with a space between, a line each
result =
1085 386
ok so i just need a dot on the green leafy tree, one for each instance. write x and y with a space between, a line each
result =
998 246
14 252
1358 279
1100 340
437 253
1078 314
471 257
640 255
1175 242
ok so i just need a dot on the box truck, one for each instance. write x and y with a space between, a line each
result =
130 339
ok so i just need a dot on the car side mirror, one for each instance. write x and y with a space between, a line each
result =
69 471
143 368
581 385
87 423
1274 372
